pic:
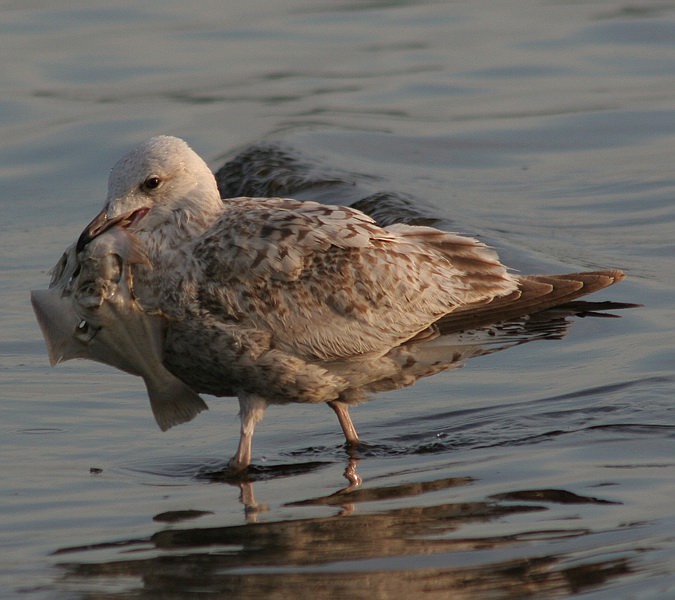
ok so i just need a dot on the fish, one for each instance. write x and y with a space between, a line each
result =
90 312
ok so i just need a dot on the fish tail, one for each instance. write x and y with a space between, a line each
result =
172 401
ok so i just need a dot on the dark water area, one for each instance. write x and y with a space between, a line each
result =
543 468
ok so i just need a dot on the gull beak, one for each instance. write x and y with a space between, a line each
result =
102 223
95 228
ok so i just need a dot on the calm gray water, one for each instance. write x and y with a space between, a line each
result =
546 470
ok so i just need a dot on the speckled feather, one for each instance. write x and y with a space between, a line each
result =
327 283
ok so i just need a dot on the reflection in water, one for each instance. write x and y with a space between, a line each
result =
176 516
559 496
352 495
353 556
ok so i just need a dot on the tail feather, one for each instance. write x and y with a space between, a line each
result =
535 293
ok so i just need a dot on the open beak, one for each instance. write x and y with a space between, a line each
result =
102 223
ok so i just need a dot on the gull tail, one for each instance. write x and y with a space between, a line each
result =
535 293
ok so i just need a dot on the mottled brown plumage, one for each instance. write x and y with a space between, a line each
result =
276 300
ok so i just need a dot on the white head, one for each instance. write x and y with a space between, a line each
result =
160 183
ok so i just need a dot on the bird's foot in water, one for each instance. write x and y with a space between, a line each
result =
358 449
237 467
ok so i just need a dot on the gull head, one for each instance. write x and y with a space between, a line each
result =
159 183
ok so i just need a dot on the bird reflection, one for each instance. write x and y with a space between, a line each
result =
342 498
335 556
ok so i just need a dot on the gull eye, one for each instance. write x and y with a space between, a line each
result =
151 183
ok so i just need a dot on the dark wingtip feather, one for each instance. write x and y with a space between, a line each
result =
536 293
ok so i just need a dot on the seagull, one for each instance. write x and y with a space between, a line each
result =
276 301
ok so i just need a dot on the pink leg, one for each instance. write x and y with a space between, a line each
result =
342 412
251 411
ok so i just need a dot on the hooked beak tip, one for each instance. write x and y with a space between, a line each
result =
95 228
102 223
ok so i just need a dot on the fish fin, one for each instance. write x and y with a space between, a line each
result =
172 401
57 321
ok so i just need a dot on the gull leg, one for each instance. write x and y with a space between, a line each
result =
251 411
342 412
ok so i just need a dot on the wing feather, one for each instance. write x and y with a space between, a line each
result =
328 283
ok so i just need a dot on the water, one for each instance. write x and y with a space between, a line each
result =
541 471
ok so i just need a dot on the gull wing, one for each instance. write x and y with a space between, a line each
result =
328 283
